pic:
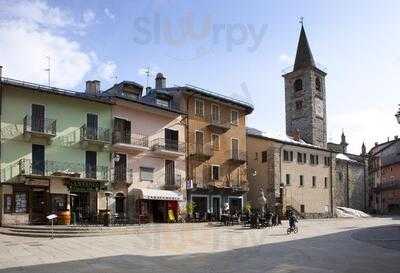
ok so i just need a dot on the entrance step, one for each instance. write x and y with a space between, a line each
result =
86 231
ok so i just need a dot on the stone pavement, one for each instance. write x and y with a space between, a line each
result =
331 245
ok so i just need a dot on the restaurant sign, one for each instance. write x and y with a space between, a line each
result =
84 186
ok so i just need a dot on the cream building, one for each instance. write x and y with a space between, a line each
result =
292 174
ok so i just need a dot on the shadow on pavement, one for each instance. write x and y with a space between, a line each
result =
329 253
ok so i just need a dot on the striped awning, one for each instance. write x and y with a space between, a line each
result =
154 194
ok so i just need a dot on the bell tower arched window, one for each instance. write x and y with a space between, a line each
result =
318 84
298 85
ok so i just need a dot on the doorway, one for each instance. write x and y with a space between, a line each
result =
92 126
216 205
158 210
171 139
169 172
37 118
39 208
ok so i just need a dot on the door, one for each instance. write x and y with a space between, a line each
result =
92 126
39 201
120 168
199 142
169 172
91 164
37 118
171 139
38 164
216 206
235 149
122 131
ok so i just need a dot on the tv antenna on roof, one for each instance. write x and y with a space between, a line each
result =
301 20
48 69
147 73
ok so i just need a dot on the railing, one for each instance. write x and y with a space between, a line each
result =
120 136
168 144
201 149
237 155
54 168
218 122
40 125
173 182
121 175
95 134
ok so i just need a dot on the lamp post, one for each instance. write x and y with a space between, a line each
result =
107 216
397 115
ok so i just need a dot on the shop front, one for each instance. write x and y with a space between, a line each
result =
156 206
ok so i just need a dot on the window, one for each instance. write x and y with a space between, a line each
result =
146 174
162 102
302 208
199 108
20 202
299 157
304 158
234 117
287 156
316 159
301 181
215 115
264 156
298 85
327 161
8 203
130 95
326 182
314 181
299 105
215 173
287 179
91 164
318 84
38 159
215 142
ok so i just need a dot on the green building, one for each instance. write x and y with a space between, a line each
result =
54 152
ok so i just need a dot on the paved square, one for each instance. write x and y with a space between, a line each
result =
333 245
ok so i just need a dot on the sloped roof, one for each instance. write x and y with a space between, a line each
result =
304 57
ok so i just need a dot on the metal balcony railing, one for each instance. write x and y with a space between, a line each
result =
237 156
201 151
95 134
168 145
119 136
54 168
173 182
218 123
40 125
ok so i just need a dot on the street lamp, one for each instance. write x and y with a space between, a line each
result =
107 216
397 115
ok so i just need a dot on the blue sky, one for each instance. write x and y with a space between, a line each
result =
357 42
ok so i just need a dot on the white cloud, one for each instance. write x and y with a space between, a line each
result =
30 31
107 71
88 16
284 58
368 125
109 14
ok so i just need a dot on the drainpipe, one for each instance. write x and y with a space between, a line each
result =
331 185
348 185
187 142
280 177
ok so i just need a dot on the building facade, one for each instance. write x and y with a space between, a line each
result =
54 151
148 159
384 177
292 174
215 149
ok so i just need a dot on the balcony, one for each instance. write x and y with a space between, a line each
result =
218 126
200 152
38 127
388 185
130 143
167 147
173 183
40 169
237 157
121 176
94 136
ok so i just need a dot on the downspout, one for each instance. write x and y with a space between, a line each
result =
348 185
280 176
331 185
187 143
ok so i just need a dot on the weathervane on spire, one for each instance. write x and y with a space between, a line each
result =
301 20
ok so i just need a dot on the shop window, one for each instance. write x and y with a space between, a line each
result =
146 174
8 203
20 202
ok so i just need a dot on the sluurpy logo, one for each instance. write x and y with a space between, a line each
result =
195 38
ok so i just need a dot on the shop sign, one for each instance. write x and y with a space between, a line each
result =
38 183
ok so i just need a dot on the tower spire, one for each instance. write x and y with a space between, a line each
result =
304 57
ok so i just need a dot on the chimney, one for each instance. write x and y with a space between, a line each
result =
161 81
376 144
396 137
93 87
296 135
1 71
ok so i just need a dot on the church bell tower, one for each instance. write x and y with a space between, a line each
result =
305 97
